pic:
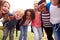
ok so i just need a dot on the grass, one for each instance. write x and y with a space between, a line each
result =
30 35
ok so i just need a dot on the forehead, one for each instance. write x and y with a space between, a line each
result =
35 3
6 4
18 12
28 12
43 4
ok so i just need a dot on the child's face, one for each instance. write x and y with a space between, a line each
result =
18 15
28 16
35 6
5 8
43 7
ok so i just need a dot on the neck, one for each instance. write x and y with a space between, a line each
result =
3 14
35 9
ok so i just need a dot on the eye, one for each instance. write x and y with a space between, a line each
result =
8 8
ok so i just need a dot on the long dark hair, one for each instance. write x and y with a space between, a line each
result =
32 14
59 2
25 14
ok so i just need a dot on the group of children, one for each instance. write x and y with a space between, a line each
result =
10 20
39 18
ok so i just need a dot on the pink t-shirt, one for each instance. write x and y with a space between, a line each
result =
36 22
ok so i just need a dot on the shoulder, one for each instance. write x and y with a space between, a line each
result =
48 6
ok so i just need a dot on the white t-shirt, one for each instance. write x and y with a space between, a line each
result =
54 14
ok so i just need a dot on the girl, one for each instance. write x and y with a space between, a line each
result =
55 18
28 16
9 21
36 23
5 14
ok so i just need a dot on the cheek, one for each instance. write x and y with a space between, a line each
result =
18 17
6 10
3 8
28 17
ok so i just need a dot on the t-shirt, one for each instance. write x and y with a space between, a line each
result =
46 19
54 14
26 22
11 23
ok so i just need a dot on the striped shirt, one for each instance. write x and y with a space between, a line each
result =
46 19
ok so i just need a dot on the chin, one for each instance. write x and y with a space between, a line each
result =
3 13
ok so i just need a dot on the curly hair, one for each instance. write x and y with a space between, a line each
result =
32 13
59 2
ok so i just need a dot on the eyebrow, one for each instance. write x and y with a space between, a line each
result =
35 3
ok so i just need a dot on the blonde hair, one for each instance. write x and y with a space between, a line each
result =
20 12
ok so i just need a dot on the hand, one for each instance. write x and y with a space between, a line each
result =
11 17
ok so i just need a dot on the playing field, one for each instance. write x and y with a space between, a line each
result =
30 35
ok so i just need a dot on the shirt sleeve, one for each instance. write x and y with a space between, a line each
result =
10 14
48 6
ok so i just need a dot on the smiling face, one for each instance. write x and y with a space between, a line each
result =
36 6
5 8
28 15
19 14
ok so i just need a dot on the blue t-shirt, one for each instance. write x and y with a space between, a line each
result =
10 24
48 6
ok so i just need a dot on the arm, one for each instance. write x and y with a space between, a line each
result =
11 17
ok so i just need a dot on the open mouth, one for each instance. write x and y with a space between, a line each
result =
4 11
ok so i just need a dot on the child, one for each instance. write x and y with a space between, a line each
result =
28 16
55 18
18 14
36 23
9 21
46 21
4 14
